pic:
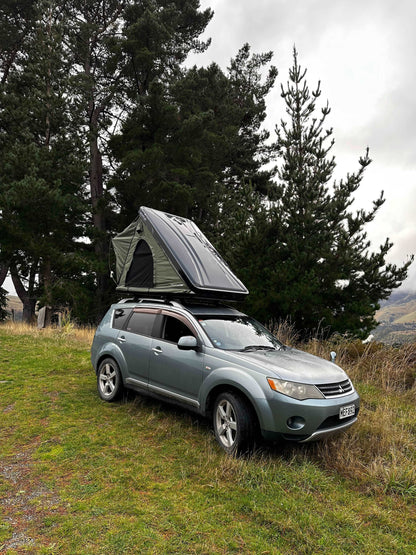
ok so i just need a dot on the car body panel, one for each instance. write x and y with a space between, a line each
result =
192 377
295 365
176 370
137 350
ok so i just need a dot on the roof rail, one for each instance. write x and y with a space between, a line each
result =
152 300
171 302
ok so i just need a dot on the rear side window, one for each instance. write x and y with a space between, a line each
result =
141 323
120 317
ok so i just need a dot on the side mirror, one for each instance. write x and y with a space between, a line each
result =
333 355
187 343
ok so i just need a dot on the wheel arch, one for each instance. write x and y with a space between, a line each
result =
232 388
111 351
245 385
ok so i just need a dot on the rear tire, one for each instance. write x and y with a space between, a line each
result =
234 424
109 380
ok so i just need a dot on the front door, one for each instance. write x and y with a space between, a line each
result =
173 372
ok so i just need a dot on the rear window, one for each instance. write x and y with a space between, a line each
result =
141 323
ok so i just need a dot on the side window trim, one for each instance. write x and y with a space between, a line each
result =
183 319
165 314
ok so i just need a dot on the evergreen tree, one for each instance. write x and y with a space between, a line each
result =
41 170
316 265
196 148
16 25
69 72
118 49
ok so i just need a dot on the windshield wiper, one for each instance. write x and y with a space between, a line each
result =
258 348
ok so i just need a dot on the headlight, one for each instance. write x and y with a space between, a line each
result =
300 391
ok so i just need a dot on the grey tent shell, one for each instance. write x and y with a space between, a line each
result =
160 253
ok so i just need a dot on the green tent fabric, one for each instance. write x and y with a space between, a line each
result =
165 277
160 253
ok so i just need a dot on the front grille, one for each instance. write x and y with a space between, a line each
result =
335 389
333 421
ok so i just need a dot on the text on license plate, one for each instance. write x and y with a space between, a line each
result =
348 410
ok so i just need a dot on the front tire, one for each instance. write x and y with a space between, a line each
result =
234 424
109 380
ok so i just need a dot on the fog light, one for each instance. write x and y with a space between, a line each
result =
295 422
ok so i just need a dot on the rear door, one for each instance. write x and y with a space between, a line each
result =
135 341
173 372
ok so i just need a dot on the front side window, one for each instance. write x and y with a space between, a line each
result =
238 333
173 329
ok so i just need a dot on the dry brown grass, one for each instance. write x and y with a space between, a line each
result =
83 334
285 332
380 450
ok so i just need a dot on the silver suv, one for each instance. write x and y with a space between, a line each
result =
224 365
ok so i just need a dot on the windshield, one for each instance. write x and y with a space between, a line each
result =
238 333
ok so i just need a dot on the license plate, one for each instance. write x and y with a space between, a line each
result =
345 412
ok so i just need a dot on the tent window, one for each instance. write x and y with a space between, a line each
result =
140 273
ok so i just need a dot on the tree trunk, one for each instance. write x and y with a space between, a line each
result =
28 300
98 217
47 289
3 273
96 185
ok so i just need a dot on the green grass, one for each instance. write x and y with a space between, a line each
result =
80 476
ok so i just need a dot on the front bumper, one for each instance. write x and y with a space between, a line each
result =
315 418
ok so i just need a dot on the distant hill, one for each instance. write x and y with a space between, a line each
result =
14 304
397 317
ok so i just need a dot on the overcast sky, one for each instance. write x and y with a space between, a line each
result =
363 52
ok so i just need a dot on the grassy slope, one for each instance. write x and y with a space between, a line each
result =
78 475
394 311
407 318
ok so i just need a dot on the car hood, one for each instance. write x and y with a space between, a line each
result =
294 365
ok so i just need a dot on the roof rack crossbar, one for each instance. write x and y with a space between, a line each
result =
152 300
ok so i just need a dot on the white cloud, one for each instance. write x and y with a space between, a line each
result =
363 54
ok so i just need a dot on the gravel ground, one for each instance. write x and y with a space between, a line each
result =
24 503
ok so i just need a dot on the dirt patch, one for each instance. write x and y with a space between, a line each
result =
25 503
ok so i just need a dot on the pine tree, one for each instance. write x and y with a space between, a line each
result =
17 21
41 170
16 25
317 267
196 147
118 50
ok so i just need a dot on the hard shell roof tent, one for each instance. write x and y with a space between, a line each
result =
163 254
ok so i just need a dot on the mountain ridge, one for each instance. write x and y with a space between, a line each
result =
397 318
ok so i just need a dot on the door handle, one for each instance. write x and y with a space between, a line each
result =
122 339
157 350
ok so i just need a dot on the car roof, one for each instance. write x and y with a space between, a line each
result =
212 310
195 308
